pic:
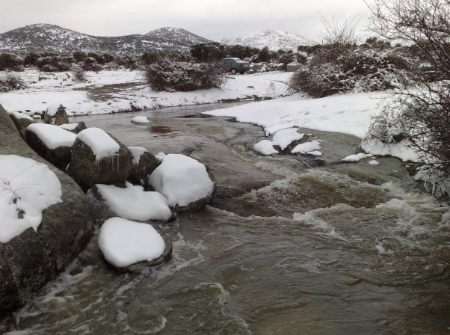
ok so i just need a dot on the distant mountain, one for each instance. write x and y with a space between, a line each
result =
48 37
273 39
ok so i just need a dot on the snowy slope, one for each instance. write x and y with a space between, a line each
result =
273 39
47 37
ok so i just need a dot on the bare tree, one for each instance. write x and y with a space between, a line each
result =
423 111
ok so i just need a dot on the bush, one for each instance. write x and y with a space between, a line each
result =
79 74
90 64
165 75
11 82
11 62
54 63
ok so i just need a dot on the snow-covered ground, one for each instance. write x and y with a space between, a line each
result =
124 90
344 113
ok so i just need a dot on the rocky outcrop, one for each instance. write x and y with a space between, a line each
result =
29 260
87 170
142 167
57 117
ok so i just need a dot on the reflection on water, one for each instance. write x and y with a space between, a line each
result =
285 249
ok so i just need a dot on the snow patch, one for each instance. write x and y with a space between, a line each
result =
101 144
399 150
52 136
283 138
356 158
134 203
307 148
27 187
125 242
137 152
140 120
265 147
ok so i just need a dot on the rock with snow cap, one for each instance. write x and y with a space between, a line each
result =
144 163
22 121
99 158
56 114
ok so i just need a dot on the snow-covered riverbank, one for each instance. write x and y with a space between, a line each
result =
125 90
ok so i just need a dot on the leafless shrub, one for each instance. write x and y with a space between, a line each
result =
11 82
165 75
79 74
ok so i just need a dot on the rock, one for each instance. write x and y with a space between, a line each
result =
58 150
74 127
149 248
31 259
144 163
56 115
184 181
89 166
22 121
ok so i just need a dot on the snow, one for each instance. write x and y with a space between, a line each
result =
26 188
69 126
374 162
308 148
52 109
140 119
101 144
125 242
52 136
74 95
283 138
134 203
21 116
265 147
314 153
137 152
344 113
399 150
181 179
356 158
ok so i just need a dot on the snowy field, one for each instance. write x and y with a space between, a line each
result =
124 90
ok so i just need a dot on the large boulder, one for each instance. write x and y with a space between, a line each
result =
30 259
99 158
56 114
51 142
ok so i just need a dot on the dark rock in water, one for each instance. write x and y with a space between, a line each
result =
58 118
88 171
80 127
142 167
100 209
31 259
59 157
21 123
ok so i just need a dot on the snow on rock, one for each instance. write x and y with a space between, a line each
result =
283 138
314 153
137 152
265 147
21 116
182 180
356 158
307 148
101 144
69 126
52 109
399 150
125 242
52 136
134 203
26 189
140 120
374 162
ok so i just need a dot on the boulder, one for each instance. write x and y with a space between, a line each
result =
99 158
21 121
51 142
32 258
144 163
56 115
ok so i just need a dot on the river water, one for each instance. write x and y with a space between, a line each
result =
289 245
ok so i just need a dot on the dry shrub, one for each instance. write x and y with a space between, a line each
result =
11 82
165 75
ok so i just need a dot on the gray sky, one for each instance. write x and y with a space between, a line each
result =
213 19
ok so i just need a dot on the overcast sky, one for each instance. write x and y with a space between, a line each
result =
213 19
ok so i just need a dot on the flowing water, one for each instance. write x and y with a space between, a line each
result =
289 245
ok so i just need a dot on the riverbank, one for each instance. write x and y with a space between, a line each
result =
116 91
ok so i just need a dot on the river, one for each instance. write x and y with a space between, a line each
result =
289 245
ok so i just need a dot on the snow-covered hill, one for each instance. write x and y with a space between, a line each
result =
273 39
47 37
